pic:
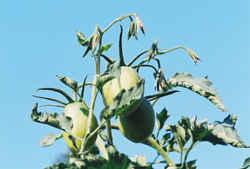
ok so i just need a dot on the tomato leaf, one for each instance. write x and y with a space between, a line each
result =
246 163
104 48
226 131
81 39
69 82
123 100
198 85
49 139
179 134
55 120
161 118
115 71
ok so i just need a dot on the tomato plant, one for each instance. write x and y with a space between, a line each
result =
122 91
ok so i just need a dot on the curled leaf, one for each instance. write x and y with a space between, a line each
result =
61 122
199 85
69 82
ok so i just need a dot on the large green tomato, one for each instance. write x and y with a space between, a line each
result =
128 78
140 124
79 114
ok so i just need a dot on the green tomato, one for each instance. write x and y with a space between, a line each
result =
79 114
127 79
140 124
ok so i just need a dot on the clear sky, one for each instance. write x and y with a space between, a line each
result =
38 41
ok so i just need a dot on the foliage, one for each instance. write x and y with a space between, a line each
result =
181 138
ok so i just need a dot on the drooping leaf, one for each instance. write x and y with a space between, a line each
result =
81 39
161 118
123 100
226 131
51 99
198 85
58 91
49 139
55 120
69 82
246 163
115 71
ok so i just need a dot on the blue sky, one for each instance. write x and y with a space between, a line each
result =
38 42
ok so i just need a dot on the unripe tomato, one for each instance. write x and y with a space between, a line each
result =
128 78
140 124
79 114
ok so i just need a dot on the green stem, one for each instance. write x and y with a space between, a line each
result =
178 47
137 58
193 144
151 142
118 19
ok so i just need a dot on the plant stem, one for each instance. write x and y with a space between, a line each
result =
137 58
118 19
178 47
193 144
151 142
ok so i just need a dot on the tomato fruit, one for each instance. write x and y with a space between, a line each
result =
139 125
127 79
79 114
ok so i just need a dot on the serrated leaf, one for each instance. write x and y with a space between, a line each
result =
161 118
69 82
246 163
226 131
81 39
123 100
61 122
199 129
198 85
115 71
104 48
49 139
